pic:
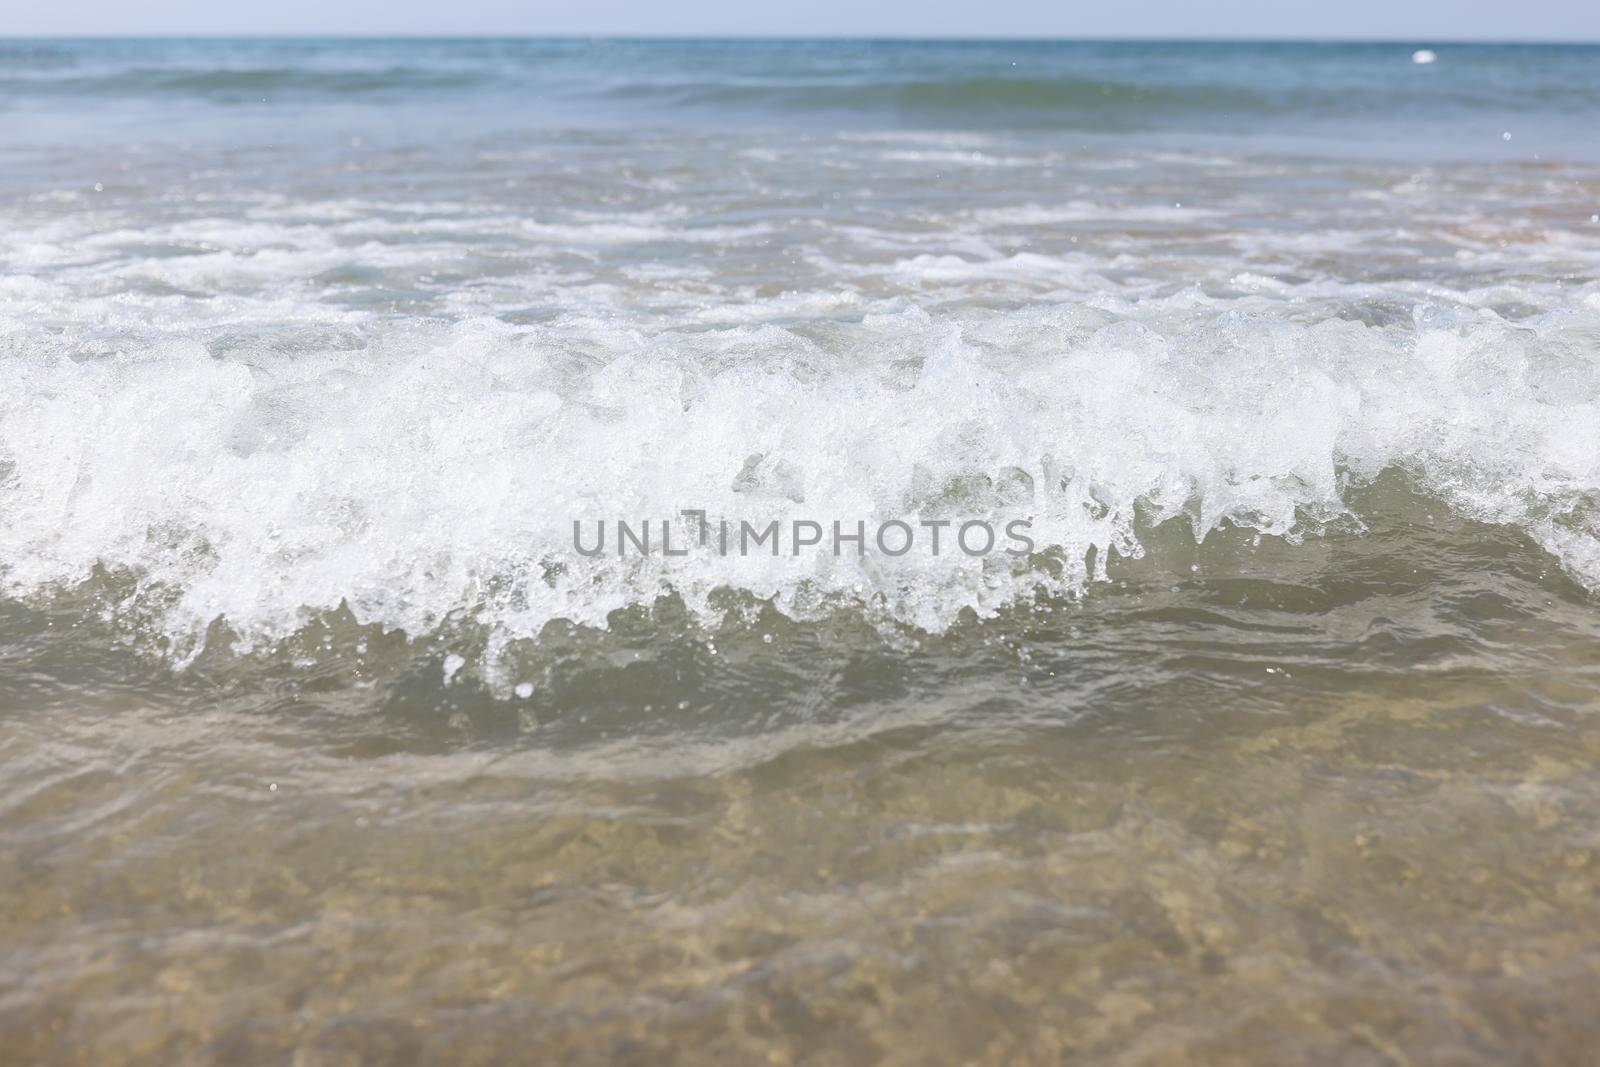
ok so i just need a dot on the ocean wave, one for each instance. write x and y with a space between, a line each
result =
970 85
422 472
237 83
1019 99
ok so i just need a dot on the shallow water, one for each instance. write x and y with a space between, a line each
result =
319 741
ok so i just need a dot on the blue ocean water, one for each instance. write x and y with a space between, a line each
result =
1345 97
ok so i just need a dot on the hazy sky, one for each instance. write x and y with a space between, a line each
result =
1418 19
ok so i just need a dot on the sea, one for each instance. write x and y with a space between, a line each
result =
380 682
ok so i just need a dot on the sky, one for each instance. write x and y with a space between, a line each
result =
1416 20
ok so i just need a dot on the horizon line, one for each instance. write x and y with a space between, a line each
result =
862 38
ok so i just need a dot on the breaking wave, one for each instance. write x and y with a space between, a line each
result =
423 471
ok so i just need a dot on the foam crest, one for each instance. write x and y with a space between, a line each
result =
420 471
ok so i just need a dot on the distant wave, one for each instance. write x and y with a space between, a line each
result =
223 83
980 91
1036 98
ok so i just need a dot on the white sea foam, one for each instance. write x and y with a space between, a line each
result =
1088 211
261 403
973 158
419 470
